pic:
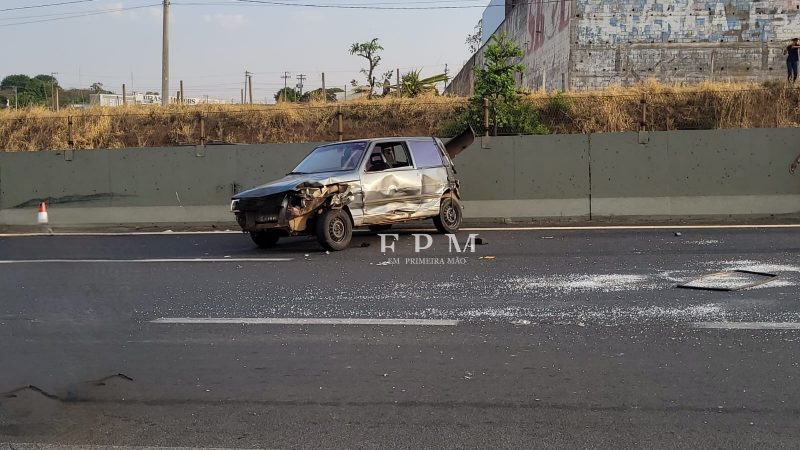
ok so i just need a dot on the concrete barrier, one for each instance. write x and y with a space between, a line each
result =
526 177
695 173
675 174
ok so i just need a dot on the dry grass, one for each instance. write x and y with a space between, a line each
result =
700 106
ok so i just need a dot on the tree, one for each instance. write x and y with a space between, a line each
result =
473 40
18 81
495 82
369 51
412 85
47 79
496 79
316 95
291 95
31 91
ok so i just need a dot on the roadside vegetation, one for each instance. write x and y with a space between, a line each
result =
703 106
412 106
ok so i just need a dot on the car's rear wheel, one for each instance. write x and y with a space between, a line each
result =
265 239
449 219
334 229
383 227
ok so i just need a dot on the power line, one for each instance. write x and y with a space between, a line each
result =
375 6
79 15
430 2
46 5
62 14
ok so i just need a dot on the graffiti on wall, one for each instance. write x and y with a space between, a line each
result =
618 22
546 18
547 42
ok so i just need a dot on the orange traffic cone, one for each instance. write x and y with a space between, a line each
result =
41 218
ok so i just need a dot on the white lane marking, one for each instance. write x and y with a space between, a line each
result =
43 446
538 228
115 233
748 325
306 321
635 227
165 260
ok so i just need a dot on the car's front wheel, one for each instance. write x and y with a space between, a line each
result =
334 229
265 239
449 219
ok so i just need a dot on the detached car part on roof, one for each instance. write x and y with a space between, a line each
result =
373 182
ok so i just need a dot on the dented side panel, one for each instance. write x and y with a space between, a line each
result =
391 195
434 184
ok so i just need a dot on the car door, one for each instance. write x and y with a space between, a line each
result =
391 189
430 164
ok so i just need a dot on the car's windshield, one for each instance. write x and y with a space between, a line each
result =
332 158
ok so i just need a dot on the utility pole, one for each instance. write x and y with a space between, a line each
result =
285 78
246 78
324 92
124 95
300 78
165 57
398 82
446 77
250 85
53 90
16 99
182 92
243 96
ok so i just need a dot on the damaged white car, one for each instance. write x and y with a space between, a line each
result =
371 182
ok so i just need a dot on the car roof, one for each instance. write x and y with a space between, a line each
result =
386 139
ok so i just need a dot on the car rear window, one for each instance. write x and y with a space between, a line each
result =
426 154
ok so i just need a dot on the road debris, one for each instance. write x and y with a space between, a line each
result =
488 257
729 280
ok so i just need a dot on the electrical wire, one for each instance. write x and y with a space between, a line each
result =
78 15
46 5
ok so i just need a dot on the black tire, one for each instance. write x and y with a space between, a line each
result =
383 227
265 239
449 219
334 229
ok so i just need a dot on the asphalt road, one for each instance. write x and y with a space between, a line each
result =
549 339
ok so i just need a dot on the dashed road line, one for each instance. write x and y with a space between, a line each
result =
162 260
747 325
305 321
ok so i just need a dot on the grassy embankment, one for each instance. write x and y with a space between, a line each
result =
699 106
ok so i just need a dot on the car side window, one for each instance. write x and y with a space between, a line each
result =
426 154
389 155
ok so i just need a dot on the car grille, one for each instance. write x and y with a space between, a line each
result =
270 205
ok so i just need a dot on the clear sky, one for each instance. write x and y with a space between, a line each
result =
215 41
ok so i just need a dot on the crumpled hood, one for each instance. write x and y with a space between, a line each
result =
290 182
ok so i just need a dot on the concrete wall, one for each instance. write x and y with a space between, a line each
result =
593 44
526 177
687 21
688 173
673 173
541 28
